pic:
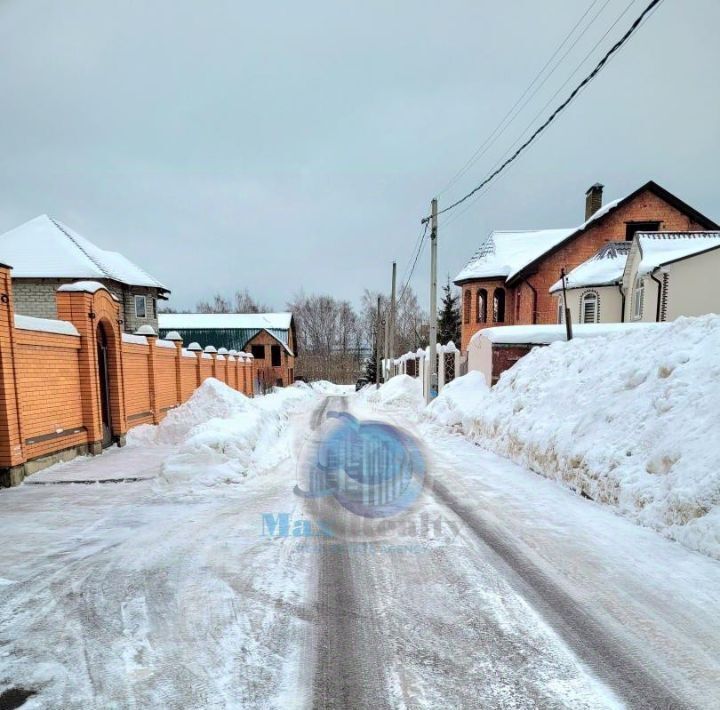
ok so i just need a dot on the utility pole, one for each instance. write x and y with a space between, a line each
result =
391 345
432 371
378 351
568 317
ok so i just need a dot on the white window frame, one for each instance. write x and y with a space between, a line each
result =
560 311
144 309
638 296
586 298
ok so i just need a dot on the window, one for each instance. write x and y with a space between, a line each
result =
631 228
589 308
275 357
517 306
561 310
466 306
481 306
499 305
140 307
638 296
258 352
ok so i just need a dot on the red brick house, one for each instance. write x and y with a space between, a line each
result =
508 280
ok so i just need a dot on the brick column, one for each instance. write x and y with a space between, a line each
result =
12 456
77 307
151 337
195 348
212 352
174 337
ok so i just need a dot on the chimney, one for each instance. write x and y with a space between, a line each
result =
593 200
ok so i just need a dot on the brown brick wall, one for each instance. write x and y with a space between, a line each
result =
471 325
50 387
264 368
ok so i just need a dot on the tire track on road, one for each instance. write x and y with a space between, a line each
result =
590 639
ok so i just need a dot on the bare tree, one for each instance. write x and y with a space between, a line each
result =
411 322
329 338
241 302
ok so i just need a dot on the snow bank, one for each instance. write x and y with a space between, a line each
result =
628 419
221 434
399 392
330 388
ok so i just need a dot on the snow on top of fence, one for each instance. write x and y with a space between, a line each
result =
134 339
166 344
188 353
46 325
82 286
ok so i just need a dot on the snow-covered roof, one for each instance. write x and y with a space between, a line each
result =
46 325
604 268
46 248
185 321
503 254
545 334
507 254
659 248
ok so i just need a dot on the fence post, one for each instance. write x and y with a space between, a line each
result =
441 367
12 455
195 348
212 352
174 337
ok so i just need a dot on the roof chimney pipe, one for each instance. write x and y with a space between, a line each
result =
593 200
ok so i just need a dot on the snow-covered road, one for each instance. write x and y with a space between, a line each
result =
500 589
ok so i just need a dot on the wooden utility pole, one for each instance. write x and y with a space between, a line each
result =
391 346
378 351
432 364
566 310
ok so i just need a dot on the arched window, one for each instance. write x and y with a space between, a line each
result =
467 303
482 306
589 308
499 305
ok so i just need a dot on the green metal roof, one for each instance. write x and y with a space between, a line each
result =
230 338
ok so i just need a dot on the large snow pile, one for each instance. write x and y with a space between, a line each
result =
399 392
221 434
629 420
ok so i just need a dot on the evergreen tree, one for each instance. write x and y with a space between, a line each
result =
371 366
449 317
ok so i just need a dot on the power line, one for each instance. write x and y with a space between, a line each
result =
598 68
500 128
507 152
417 256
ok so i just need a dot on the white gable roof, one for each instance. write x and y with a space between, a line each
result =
46 248
506 253
225 321
602 269
658 248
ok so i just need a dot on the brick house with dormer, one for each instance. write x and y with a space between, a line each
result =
508 280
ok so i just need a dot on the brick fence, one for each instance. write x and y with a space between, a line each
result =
77 384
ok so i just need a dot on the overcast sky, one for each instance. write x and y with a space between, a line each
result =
296 145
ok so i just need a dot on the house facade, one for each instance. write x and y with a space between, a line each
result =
509 280
670 274
269 337
593 289
45 254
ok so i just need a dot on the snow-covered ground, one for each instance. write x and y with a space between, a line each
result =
629 420
500 588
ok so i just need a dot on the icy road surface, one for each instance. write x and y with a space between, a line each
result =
500 590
